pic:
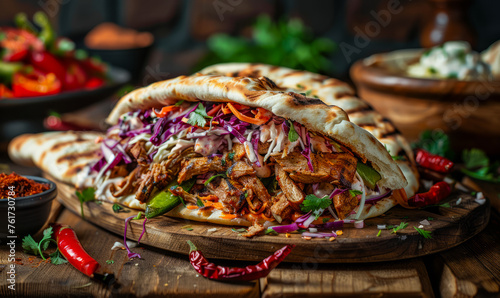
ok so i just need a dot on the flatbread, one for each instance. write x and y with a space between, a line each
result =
332 92
64 155
262 92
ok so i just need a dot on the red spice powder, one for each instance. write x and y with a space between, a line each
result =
22 186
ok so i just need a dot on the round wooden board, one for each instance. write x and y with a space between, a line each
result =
449 226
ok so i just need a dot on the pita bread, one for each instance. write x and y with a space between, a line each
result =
262 92
332 92
64 155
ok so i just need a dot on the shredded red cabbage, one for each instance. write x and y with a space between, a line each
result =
307 152
233 131
143 229
255 145
337 191
286 228
130 254
335 225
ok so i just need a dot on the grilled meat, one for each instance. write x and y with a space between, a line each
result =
201 165
253 230
187 197
230 194
138 151
344 203
257 187
281 209
292 192
238 169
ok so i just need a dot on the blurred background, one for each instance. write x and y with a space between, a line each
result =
184 31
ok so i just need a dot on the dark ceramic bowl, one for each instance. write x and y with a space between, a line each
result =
31 212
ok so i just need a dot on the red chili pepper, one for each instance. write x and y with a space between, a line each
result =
437 192
48 63
94 66
35 84
212 271
72 250
433 162
17 42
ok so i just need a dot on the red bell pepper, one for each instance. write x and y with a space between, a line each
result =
94 66
75 76
48 63
94 82
35 84
5 92
438 192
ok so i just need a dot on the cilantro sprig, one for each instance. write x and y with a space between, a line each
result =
435 142
37 248
117 208
197 117
87 195
315 205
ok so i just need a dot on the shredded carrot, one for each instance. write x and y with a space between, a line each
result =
249 201
164 111
225 110
266 218
190 207
244 118
210 198
214 110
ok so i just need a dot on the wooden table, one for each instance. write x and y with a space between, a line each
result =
471 269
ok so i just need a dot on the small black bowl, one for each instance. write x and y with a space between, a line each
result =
30 214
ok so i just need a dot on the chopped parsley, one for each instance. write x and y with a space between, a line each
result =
197 117
179 103
424 233
401 226
109 262
430 218
445 205
231 155
436 142
379 233
212 178
315 205
292 133
270 231
354 192
86 195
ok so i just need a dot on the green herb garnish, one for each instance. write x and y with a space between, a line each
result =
436 142
139 216
292 133
315 204
270 231
197 117
199 203
424 233
109 262
354 192
37 248
401 226
179 103
118 208
478 166
213 177
379 233
87 195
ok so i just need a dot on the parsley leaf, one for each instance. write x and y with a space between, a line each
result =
292 133
179 103
231 155
436 142
117 208
30 245
110 262
401 226
271 232
87 195
445 205
197 117
354 192
424 233
478 166
430 218
57 258
325 220
315 204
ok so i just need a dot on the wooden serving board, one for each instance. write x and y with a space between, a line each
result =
449 227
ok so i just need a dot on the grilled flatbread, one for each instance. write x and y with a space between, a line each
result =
333 92
143 151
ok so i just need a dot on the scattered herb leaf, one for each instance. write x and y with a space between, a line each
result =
354 192
379 233
197 117
424 233
401 226
270 231
37 248
199 203
292 133
212 178
430 218
315 204
109 262
445 205
179 103
118 208
436 142
86 195
478 166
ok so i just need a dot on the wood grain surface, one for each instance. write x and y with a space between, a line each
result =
449 227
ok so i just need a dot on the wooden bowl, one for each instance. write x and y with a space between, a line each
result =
468 111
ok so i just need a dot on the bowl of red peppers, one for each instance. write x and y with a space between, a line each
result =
40 69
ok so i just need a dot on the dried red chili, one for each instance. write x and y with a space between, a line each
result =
433 162
22 186
437 192
213 271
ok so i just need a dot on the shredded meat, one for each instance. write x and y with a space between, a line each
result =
281 209
118 171
179 191
138 151
240 168
257 187
202 165
344 203
337 168
253 230
239 151
229 192
126 185
263 148
292 192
